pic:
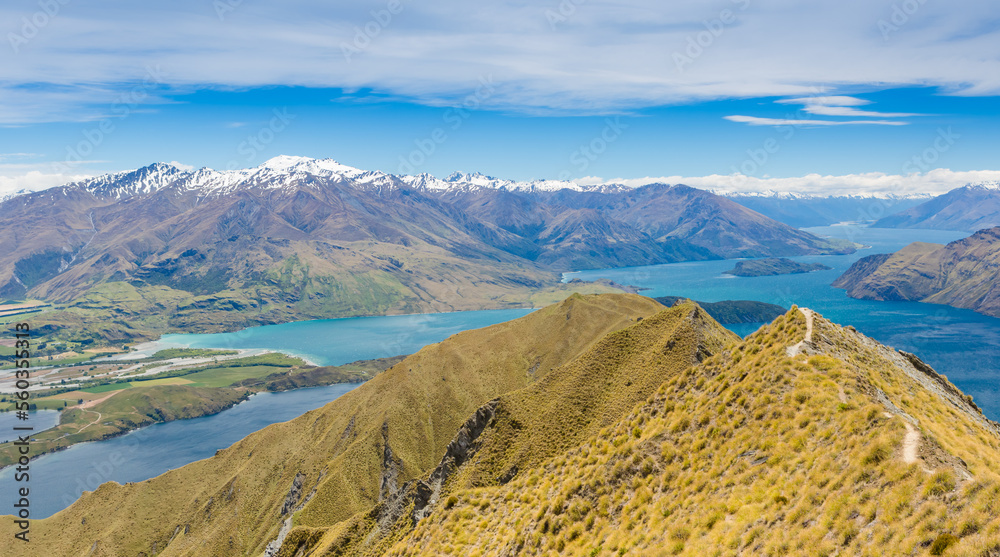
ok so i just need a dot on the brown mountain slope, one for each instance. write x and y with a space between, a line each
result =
716 223
349 454
964 273
174 259
521 429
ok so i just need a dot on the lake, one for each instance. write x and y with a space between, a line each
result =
332 342
57 479
38 419
962 344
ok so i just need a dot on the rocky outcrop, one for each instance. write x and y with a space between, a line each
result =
860 270
964 274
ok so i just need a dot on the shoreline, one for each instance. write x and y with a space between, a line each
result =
249 393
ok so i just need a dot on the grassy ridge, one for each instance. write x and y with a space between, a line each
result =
754 452
557 412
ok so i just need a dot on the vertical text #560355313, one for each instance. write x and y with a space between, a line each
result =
22 365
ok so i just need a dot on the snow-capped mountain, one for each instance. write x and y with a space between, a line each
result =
985 186
209 230
285 171
814 195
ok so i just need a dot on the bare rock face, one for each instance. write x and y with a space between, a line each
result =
294 494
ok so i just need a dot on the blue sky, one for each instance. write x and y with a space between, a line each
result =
865 94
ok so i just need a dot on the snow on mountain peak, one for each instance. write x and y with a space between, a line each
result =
991 185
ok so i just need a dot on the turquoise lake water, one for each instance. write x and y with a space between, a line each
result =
333 342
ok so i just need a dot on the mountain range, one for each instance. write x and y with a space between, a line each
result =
164 248
964 274
970 208
802 210
602 425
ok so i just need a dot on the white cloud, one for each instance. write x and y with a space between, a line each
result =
840 105
832 105
36 180
602 56
935 182
182 166
16 156
829 100
756 121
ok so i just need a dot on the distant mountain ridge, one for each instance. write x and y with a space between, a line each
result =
970 208
302 238
806 210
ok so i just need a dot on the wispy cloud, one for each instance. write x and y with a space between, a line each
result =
840 105
756 121
19 156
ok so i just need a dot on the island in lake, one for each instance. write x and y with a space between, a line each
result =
731 312
773 266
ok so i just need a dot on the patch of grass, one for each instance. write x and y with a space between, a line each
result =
171 353
107 388
165 381
942 543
